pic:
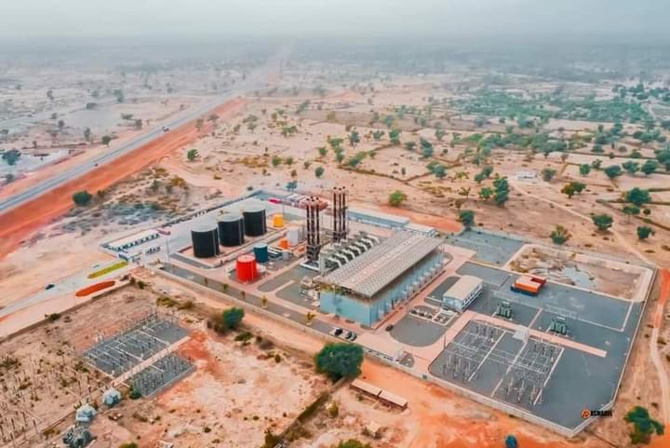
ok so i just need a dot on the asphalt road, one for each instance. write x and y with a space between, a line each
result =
253 82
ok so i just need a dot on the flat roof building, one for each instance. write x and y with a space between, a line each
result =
462 293
393 399
133 240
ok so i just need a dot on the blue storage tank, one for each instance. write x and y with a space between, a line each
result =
261 253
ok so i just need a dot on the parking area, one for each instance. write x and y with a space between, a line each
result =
417 331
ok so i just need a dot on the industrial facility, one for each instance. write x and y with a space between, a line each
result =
372 284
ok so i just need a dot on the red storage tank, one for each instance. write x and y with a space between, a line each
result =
246 268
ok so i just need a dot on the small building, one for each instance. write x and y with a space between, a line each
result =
366 388
373 429
462 293
133 240
394 400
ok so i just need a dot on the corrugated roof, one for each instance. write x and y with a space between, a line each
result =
366 387
132 238
380 266
463 287
400 220
393 398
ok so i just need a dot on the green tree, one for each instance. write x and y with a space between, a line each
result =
548 174
439 134
106 139
584 169
643 425
638 196
322 151
649 167
318 172
568 189
192 154
289 161
339 157
613 171
602 222
560 235
596 164
440 171
232 317
291 186
663 157
87 134
467 217
377 135
339 360
276 161
644 232
631 210
485 193
410 146
501 191
354 138
82 198
394 136
631 167
11 156
397 198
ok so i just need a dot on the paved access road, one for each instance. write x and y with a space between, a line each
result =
253 82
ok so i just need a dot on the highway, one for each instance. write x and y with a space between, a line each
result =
253 82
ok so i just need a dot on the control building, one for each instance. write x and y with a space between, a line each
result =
389 273
462 293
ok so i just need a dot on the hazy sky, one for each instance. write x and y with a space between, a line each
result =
28 18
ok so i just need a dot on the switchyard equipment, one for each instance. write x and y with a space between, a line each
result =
558 325
205 242
336 255
374 283
340 229
231 229
504 310
254 221
77 436
528 284
462 293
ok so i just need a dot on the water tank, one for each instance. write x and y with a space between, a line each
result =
205 242
254 221
261 253
231 230
293 236
246 268
278 221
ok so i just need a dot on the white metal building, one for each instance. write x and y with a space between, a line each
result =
462 293
133 240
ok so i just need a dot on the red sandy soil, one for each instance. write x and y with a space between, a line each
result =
19 223
94 288
439 222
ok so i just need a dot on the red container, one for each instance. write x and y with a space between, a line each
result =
246 268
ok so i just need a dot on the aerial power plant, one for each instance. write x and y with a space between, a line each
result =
271 243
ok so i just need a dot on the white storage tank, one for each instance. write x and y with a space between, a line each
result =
293 236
